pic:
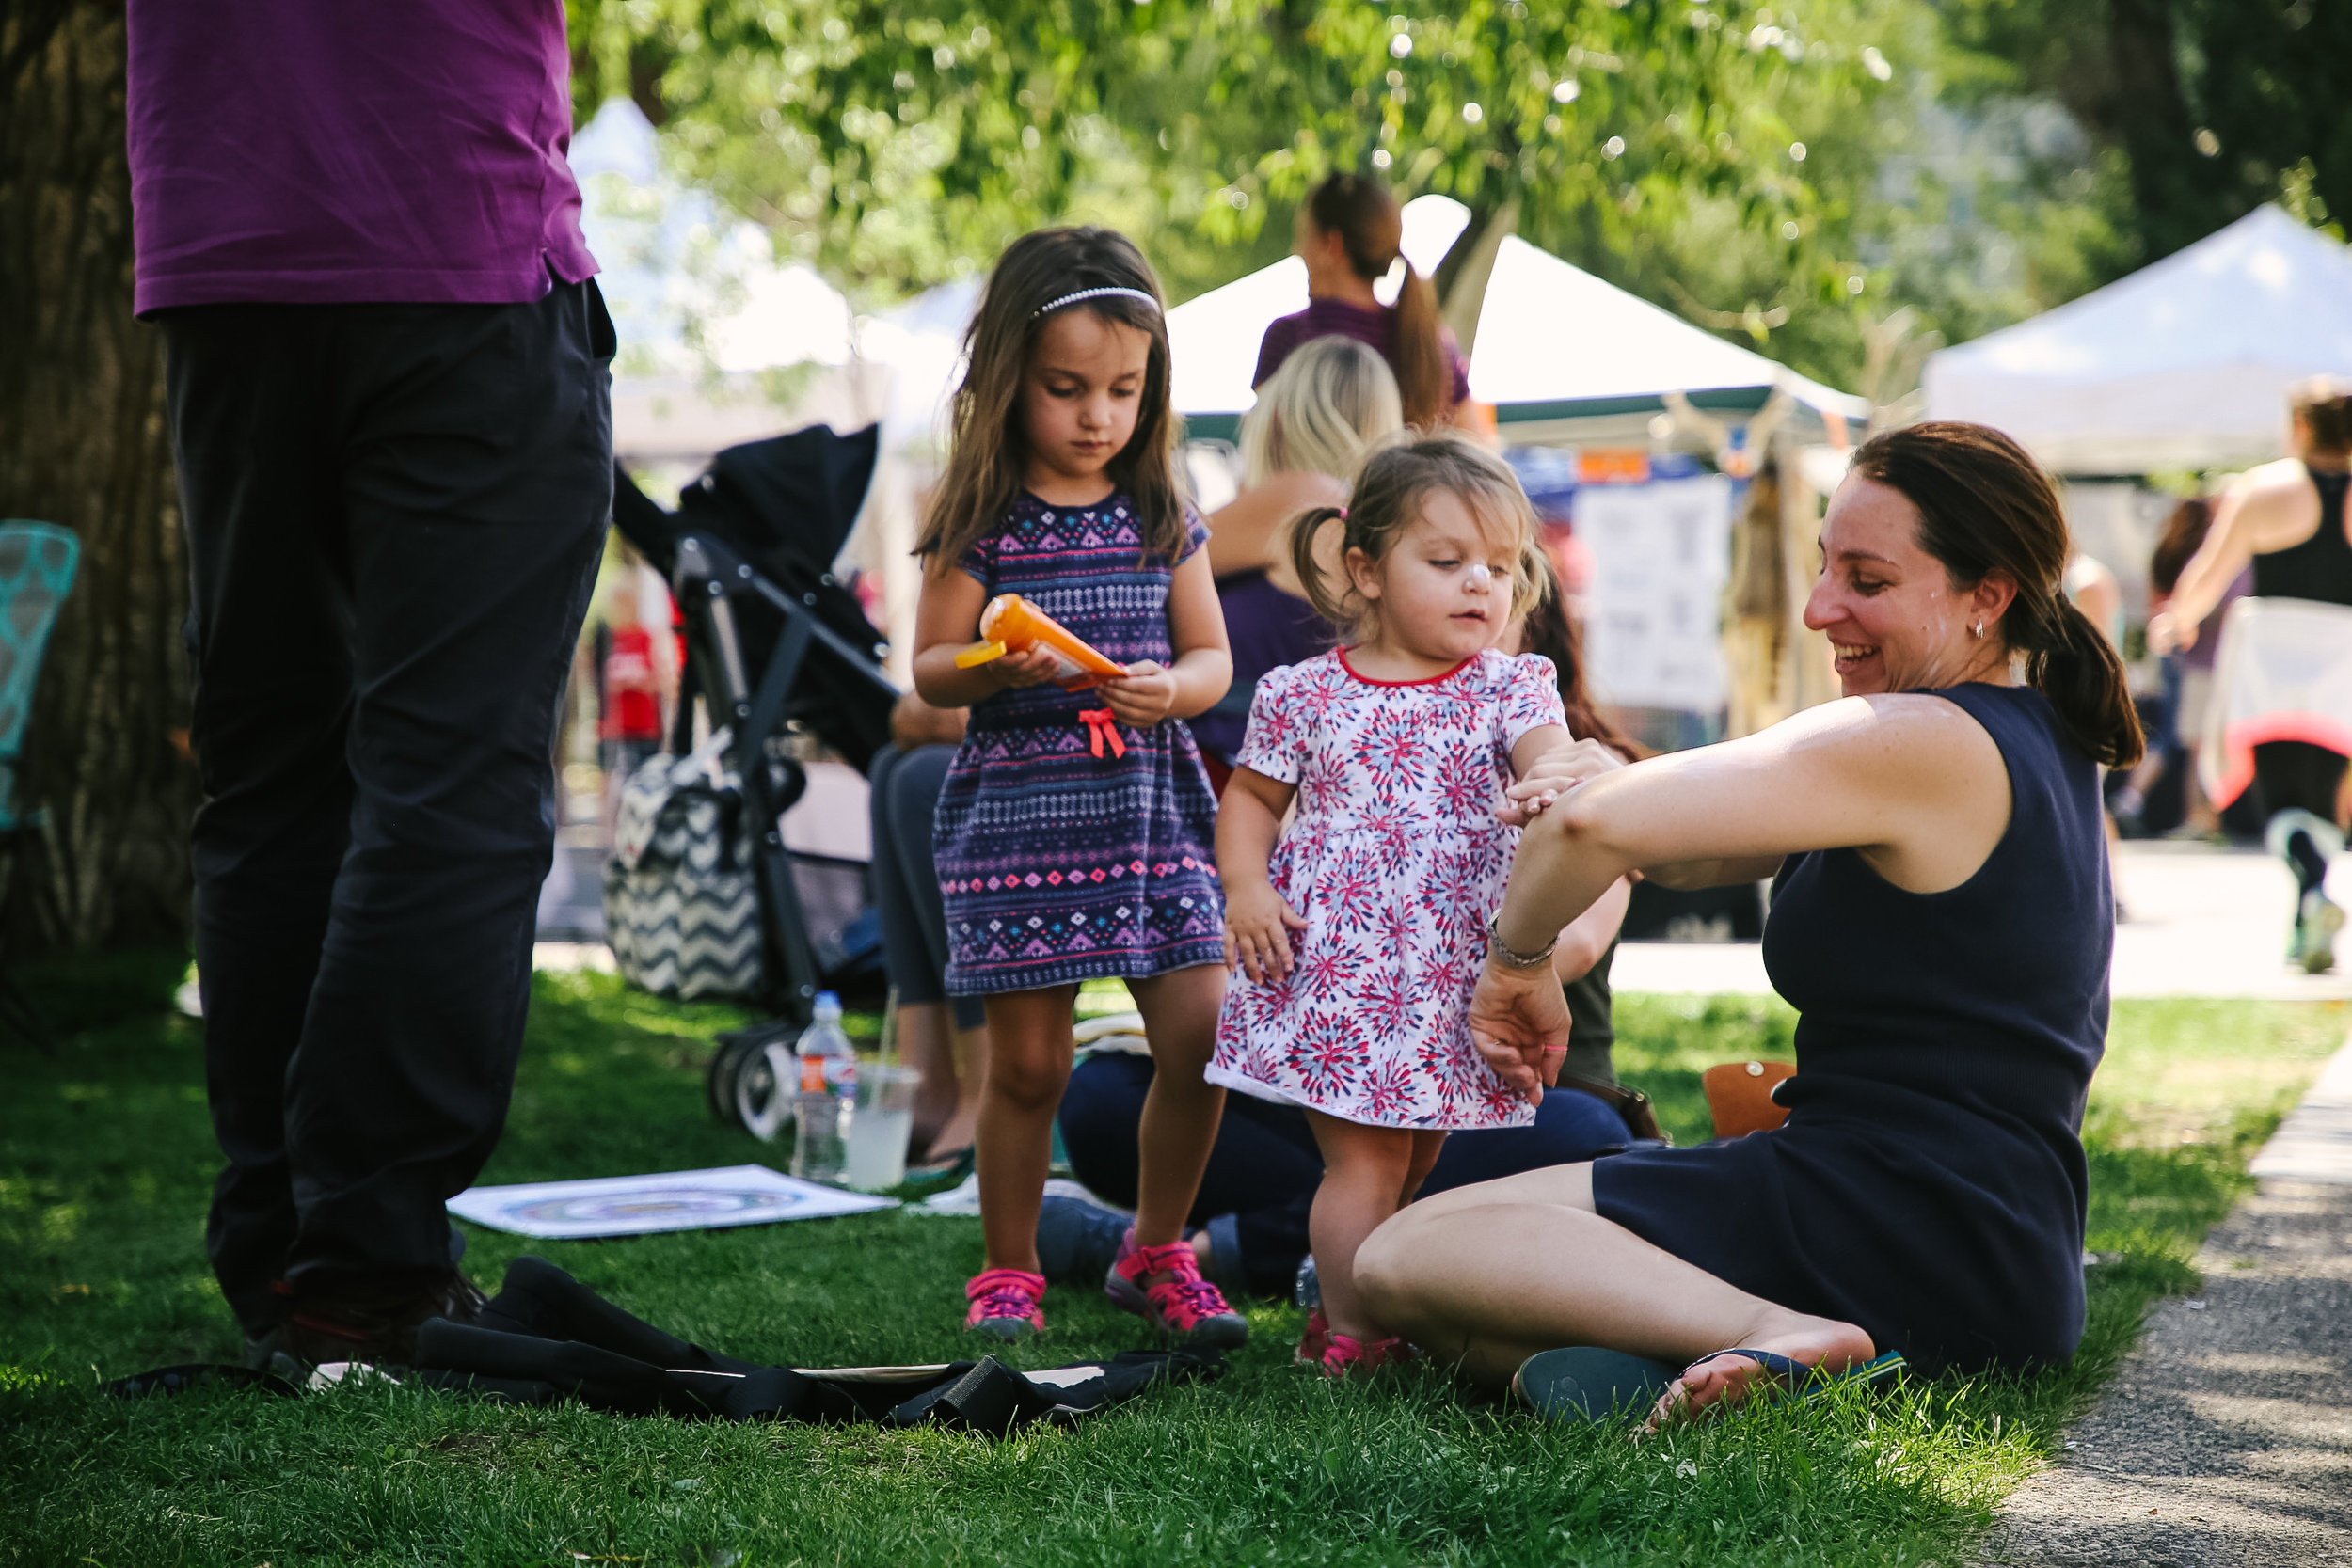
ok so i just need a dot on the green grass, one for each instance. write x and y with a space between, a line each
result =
105 1162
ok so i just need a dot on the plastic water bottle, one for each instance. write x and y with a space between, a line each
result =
827 1096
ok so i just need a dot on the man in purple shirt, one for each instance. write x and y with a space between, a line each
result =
390 398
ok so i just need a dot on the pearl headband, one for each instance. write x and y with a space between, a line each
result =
1049 309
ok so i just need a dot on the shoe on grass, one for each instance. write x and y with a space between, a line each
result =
2314 944
1162 1285
1583 1385
1344 1354
1007 1304
1077 1240
371 1323
1316 1340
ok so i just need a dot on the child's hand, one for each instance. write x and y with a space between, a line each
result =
1257 933
1553 774
1028 666
1144 697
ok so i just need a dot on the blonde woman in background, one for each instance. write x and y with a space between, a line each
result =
1333 400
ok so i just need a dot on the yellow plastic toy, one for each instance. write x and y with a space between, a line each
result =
1013 625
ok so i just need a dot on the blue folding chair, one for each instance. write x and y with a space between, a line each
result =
36 565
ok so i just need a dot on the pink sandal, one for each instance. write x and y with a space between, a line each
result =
1315 1342
1183 1306
1346 1353
1007 1304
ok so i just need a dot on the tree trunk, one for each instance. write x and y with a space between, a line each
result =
83 443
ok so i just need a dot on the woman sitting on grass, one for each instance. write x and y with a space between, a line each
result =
1941 921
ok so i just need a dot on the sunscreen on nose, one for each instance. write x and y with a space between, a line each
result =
1481 573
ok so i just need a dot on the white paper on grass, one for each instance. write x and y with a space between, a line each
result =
645 1205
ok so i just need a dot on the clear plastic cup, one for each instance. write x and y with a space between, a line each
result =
880 1127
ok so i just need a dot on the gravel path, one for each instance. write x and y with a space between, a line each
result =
2226 1437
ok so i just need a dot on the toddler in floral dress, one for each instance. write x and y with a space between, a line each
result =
1356 934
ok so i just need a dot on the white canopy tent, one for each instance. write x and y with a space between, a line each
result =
1554 342
2184 364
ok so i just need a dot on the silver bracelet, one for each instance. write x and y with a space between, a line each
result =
1511 957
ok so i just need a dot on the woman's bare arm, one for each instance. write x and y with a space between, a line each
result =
1246 533
1909 780
2264 509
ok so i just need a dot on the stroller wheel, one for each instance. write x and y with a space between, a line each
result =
718 1079
764 1086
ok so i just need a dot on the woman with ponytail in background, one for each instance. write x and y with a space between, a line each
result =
1941 920
1349 234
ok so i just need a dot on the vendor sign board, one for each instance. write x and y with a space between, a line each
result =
1660 553
645 1205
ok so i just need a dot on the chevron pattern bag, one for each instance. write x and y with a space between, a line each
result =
680 910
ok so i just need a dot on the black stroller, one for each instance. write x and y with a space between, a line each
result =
774 643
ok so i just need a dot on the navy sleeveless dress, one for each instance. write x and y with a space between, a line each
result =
1928 1183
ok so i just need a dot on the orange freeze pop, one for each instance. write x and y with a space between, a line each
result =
1011 624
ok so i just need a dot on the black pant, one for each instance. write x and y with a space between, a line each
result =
1263 1174
2295 775
913 915
394 516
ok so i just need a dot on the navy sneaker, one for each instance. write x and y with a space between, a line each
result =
1077 1240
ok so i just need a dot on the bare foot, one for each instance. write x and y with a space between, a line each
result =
1725 1380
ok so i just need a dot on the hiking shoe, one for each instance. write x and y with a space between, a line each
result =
2314 945
1007 1304
371 1322
1346 1353
1181 1305
1316 1340
1077 1240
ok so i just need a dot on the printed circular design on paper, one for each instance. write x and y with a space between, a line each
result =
704 1205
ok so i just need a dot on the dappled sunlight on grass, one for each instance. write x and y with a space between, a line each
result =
101 1272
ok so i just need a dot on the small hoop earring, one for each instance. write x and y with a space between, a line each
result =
1979 629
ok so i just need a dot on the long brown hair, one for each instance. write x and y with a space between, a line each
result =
2183 534
985 467
1387 501
1370 224
1548 631
1986 507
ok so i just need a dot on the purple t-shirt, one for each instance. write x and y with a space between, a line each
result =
1336 318
287 151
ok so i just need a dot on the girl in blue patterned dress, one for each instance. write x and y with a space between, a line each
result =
1075 828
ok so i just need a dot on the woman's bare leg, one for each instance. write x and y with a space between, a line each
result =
969 1048
1487 1275
923 1045
1028 1063
1365 1172
1182 1109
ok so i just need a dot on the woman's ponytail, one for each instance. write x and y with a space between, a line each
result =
1424 371
2070 661
1986 507
1364 215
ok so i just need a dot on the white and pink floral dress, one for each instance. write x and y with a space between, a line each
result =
1394 858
